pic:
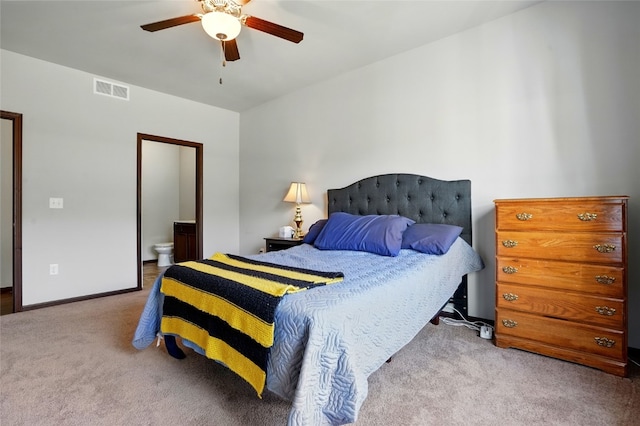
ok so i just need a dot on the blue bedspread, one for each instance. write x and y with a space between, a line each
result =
329 340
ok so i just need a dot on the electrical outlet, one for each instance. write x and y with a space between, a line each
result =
448 308
55 203
53 269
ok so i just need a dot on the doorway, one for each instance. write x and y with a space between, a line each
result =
11 232
198 192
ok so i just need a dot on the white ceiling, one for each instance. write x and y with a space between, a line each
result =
104 38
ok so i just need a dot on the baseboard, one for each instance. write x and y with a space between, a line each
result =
488 321
4 290
468 318
77 299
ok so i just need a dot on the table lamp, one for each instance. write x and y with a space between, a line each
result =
297 194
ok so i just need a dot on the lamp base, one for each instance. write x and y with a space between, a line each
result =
298 234
298 221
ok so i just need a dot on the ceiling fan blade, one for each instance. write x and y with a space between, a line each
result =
230 49
168 23
273 29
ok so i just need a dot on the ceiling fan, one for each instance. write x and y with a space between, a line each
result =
223 20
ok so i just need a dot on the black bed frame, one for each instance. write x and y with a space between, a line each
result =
421 198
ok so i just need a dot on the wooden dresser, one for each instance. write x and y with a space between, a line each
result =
561 279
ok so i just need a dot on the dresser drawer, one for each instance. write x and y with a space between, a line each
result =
604 280
583 216
565 334
594 310
583 247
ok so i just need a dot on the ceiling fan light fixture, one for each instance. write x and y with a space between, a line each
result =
221 25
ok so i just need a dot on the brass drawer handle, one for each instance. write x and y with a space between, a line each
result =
605 279
524 216
509 270
509 243
605 310
603 341
587 217
510 297
605 248
509 323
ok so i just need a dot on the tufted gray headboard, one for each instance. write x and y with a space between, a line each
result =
421 198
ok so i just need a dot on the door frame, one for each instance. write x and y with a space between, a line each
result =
199 191
16 120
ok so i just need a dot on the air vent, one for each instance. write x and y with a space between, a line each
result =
106 88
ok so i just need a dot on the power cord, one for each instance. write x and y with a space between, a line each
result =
477 325
473 325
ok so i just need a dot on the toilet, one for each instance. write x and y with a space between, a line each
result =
164 253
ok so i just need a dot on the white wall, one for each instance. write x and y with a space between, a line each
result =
541 103
82 147
187 183
168 192
160 194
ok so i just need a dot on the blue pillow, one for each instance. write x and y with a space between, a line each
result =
314 231
380 234
430 238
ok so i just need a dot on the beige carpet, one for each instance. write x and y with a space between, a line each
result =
74 365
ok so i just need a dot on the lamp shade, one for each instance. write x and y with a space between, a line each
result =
297 193
221 26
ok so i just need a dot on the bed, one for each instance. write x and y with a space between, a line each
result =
328 340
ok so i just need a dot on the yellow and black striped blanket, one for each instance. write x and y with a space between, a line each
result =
226 305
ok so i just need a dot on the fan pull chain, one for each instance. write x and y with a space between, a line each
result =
224 59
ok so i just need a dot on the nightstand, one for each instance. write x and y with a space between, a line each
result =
275 244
